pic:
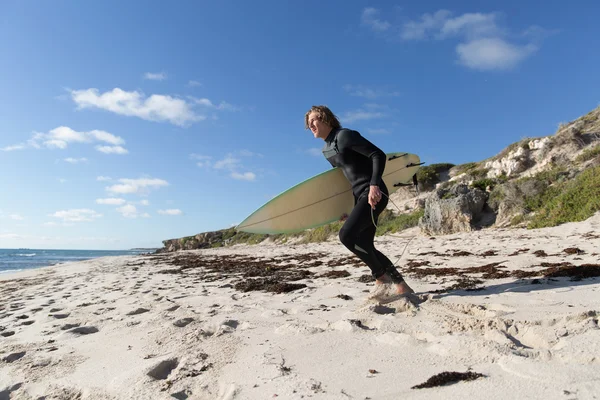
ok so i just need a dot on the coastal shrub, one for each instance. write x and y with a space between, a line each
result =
388 223
482 184
184 240
246 238
321 233
588 154
496 197
525 195
479 173
463 168
517 219
429 175
573 201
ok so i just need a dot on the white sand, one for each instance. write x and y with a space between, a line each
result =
535 341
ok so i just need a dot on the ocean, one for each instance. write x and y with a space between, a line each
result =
12 260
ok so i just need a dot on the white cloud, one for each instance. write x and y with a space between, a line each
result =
194 83
231 163
128 211
483 43
369 92
75 160
16 217
103 178
157 107
160 76
440 25
137 186
112 149
368 112
472 25
171 211
490 54
13 148
204 161
246 176
62 136
145 202
62 180
209 104
111 201
76 215
370 18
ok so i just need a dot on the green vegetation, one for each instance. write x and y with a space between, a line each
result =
478 173
482 184
321 233
429 175
463 168
588 154
388 223
570 201
529 194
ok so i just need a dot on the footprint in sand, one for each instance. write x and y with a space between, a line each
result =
83 330
138 311
162 369
180 323
7 333
61 316
14 357
227 326
70 326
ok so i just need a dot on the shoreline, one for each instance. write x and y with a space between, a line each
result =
252 322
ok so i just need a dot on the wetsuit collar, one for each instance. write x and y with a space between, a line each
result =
331 135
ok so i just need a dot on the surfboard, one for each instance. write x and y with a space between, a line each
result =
322 199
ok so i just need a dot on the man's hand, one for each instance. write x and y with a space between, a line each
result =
374 195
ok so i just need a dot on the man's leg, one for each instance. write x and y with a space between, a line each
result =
358 234
355 234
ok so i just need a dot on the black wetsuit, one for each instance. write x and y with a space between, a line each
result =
362 164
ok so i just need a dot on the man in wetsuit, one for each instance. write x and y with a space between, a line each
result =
362 164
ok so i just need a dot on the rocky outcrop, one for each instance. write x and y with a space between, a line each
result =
452 210
200 241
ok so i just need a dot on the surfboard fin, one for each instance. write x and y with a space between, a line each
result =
414 182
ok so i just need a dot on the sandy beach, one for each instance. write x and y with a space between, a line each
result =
511 312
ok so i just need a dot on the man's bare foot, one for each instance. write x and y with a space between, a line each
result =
383 279
403 288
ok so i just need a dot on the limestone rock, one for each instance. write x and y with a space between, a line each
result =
453 210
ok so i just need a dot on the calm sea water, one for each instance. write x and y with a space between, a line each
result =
20 259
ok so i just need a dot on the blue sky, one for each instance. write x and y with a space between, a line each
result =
126 123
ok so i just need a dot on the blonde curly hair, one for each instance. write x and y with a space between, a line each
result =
325 115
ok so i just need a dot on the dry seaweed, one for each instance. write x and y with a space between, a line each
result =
447 378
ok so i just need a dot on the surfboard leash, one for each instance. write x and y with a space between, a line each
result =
407 243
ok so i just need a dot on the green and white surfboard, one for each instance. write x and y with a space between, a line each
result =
322 199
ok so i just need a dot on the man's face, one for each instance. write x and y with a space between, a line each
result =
318 128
